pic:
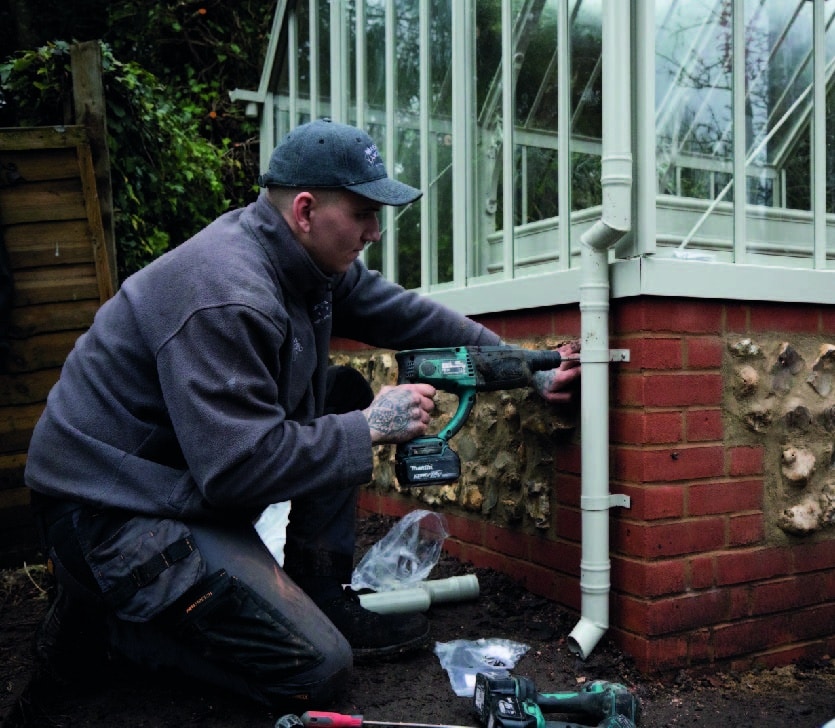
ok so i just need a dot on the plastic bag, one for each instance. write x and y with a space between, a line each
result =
404 556
462 659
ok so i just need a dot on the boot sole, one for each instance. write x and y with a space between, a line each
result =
365 654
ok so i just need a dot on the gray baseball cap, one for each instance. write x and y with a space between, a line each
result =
324 153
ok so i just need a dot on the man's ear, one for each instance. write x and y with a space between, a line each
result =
302 205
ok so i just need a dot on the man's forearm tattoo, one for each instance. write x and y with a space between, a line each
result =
544 380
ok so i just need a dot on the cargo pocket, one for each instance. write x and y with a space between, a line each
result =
146 565
230 625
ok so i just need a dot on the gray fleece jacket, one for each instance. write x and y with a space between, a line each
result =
198 390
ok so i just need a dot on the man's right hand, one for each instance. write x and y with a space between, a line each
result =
400 413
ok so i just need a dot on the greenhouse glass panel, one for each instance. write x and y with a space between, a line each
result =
693 123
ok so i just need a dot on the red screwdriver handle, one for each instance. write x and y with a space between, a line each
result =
324 719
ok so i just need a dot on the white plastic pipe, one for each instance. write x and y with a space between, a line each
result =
615 222
418 598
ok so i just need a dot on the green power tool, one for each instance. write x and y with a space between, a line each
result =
513 702
462 371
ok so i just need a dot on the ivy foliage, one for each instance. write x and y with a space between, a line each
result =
181 152
166 177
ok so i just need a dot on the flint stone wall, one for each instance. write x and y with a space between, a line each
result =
780 394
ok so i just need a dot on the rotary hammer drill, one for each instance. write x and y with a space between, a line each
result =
513 702
463 371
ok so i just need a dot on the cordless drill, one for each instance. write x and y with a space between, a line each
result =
513 702
462 371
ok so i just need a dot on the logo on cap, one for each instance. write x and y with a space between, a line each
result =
372 156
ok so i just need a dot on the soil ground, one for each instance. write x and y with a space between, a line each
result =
414 689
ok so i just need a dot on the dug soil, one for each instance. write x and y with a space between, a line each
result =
414 689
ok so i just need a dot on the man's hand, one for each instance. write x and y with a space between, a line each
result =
556 385
401 413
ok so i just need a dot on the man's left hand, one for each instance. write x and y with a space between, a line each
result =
557 385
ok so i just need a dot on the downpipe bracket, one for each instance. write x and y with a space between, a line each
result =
612 356
605 502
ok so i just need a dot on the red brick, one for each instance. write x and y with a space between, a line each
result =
654 655
368 501
746 530
656 541
633 612
470 530
340 344
814 556
751 635
702 572
750 565
654 502
656 353
506 541
538 322
781 656
557 555
628 390
570 459
746 460
723 497
670 464
703 425
539 580
812 623
700 647
740 601
737 318
567 489
691 611
648 578
668 314
827 320
484 558
682 390
785 317
791 593
671 614
568 523
456 549
637 427
566 321
494 322
393 506
703 352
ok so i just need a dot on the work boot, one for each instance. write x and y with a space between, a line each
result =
321 575
69 646
373 635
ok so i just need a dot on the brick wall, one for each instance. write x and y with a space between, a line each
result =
696 579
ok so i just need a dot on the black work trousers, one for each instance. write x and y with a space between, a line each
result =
209 600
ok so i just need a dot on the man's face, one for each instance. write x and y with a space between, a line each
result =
341 224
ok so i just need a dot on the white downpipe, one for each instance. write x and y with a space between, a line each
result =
615 222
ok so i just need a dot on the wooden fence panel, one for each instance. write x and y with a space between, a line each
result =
51 227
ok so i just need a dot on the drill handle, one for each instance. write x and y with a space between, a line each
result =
466 400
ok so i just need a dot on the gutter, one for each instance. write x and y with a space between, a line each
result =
615 222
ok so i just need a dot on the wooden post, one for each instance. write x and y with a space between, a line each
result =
90 111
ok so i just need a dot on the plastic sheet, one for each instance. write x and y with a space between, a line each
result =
462 659
404 556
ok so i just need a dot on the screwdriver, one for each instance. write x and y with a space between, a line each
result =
324 719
